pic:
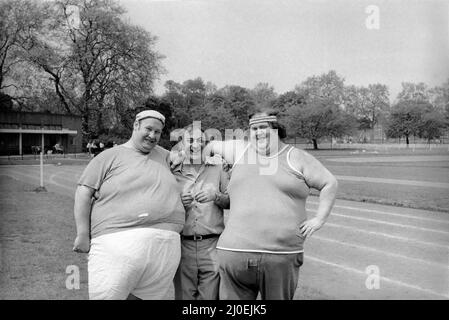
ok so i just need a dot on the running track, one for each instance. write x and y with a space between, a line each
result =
409 247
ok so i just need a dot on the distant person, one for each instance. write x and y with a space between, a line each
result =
261 247
96 148
128 215
89 147
58 148
203 187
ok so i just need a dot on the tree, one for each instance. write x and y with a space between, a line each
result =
417 92
319 114
327 87
21 23
287 100
194 91
317 120
367 104
215 116
431 125
263 93
440 98
239 102
99 63
5 102
175 97
406 119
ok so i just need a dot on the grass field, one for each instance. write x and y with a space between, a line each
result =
409 246
37 232
404 172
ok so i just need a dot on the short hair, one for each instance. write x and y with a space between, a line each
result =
282 131
189 128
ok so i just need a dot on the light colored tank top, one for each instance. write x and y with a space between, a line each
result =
266 209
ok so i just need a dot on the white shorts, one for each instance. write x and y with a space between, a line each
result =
141 261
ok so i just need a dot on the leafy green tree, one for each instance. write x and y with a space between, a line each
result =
194 91
327 87
97 61
367 104
317 120
263 93
287 100
21 24
432 125
406 119
239 102
417 92
440 98
5 102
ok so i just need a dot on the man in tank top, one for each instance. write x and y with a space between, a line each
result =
261 247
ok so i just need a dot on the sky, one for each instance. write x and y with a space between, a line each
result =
282 42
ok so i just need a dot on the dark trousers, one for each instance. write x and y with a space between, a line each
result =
244 274
197 276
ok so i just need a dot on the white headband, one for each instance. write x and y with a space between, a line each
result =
262 119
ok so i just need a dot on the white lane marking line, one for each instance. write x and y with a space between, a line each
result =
391 159
382 278
396 255
60 175
37 179
415 183
23 165
406 239
53 168
66 171
53 181
387 223
386 213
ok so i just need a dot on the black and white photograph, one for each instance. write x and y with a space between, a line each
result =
224 150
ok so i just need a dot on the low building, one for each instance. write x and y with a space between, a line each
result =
25 132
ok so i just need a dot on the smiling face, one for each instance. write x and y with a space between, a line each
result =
146 134
262 136
194 141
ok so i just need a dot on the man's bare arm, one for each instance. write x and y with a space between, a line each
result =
82 209
318 177
222 200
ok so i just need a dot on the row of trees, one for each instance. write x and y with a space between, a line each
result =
319 107
85 58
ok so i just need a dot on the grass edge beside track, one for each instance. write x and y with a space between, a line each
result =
387 202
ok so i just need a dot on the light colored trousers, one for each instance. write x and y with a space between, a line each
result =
197 277
140 261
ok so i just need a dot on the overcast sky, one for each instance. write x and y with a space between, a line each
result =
282 42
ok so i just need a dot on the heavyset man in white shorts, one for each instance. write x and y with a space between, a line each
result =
128 215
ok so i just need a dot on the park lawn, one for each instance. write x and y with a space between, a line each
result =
36 237
397 195
421 171
374 152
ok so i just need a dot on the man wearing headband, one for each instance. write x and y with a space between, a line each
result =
261 247
128 215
